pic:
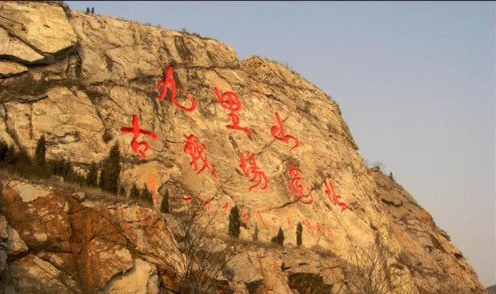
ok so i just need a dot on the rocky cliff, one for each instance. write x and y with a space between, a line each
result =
78 79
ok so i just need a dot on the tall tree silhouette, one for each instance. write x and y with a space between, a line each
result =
109 178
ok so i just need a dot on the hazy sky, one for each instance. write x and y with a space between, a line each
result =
415 82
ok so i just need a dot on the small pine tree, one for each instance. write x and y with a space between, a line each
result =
146 195
67 170
135 193
39 154
92 10
299 232
165 206
23 158
109 178
92 177
279 238
58 167
3 150
11 155
87 10
234 222
254 237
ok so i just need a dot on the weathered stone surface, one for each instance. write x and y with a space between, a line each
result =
14 48
42 26
142 278
81 101
33 275
9 68
147 233
37 213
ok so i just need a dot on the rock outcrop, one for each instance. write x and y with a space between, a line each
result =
77 79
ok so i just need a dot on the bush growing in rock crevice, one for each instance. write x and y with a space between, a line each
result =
299 232
109 178
279 238
234 222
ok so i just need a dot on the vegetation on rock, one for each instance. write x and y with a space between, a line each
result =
234 222
279 238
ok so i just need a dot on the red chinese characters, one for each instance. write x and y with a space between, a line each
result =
207 205
260 218
296 188
167 82
187 199
229 100
245 215
319 229
279 134
333 196
196 149
290 224
308 227
258 177
328 233
137 131
226 207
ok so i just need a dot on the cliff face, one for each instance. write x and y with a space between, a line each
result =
78 79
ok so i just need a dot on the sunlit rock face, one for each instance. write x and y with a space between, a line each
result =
77 79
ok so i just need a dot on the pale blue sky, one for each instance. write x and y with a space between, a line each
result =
415 82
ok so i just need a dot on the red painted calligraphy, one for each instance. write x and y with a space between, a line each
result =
230 101
137 131
207 205
296 188
187 199
260 218
319 229
167 82
290 224
226 207
196 149
245 215
333 197
308 227
329 233
258 177
279 134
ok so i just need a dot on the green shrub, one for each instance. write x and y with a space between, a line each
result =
135 193
165 206
92 177
109 178
279 238
39 154
299 231
234 222
146 195
3 150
